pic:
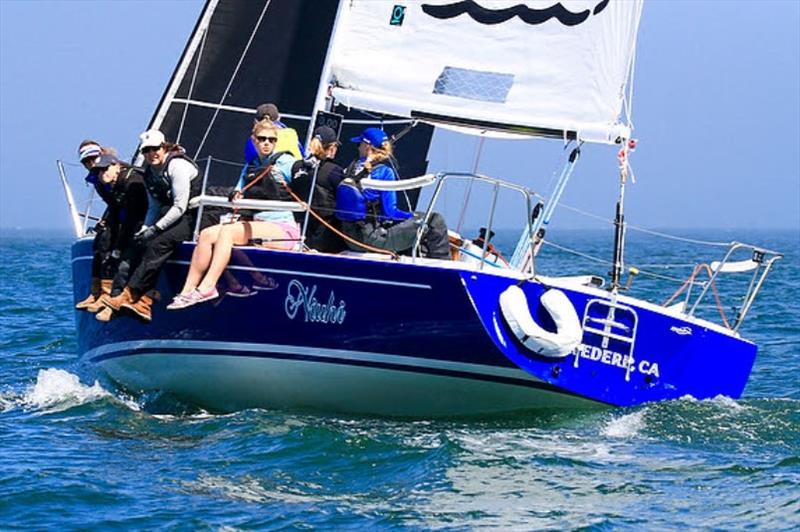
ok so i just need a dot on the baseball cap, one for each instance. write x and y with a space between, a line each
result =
326 135
373 136
106 160
267 110
152 138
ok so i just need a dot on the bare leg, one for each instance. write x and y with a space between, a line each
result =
201 257
236 234
239 234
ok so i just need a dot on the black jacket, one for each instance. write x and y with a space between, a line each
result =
323 202
127 206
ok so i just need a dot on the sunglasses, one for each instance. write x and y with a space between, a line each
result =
150 148
272 140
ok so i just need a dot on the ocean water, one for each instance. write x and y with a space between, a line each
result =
76 453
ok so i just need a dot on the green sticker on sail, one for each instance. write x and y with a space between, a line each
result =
398 14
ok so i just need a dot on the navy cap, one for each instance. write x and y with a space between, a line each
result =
326 135
105 160
373 136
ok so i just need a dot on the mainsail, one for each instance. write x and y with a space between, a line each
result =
246 52
537 67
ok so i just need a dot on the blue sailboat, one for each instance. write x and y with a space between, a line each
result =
474 335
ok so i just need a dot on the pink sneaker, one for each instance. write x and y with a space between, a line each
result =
192 298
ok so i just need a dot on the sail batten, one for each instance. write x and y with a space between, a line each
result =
537 65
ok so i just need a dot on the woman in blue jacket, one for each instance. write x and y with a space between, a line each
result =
377 221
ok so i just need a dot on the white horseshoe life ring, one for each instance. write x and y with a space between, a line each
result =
569 332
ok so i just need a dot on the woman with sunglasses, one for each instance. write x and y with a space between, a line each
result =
266 178
172 179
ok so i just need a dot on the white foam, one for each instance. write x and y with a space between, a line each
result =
625 426
56 390
726 402
8 400
722 401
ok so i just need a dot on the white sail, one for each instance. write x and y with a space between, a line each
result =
536 67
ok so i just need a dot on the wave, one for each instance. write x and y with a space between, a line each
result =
57 390
625 426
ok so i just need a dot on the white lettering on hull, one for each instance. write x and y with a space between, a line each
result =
613 358
299 296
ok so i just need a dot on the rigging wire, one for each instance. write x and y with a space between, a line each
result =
648 231
233 76
191 85
468 192
609 263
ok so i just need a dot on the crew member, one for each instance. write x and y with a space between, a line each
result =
373 217
172 179
126 215
103 263
287 136
319 162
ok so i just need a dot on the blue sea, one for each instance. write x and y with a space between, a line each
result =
75 453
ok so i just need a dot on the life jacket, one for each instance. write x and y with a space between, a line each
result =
268 188
324 197
159 182
351 205
288 141
126 173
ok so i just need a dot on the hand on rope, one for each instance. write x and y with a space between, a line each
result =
239 194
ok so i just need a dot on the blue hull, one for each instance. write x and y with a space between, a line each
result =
352 334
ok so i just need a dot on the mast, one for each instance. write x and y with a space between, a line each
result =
619 237
619 217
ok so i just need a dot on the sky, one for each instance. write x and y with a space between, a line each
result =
716 110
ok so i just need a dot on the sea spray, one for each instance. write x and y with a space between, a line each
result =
625 426
56 390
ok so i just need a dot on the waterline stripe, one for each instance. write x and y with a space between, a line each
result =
286 354
239 348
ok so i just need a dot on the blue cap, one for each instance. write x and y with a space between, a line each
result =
373 136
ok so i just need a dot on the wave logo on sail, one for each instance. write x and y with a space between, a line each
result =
299 296
529 15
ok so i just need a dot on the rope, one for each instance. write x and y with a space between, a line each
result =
700 268
321 220
255 180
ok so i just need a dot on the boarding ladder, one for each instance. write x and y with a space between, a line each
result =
610 327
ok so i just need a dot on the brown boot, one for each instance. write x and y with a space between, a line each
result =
114 303
105 293
140 306
93 295
105 315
